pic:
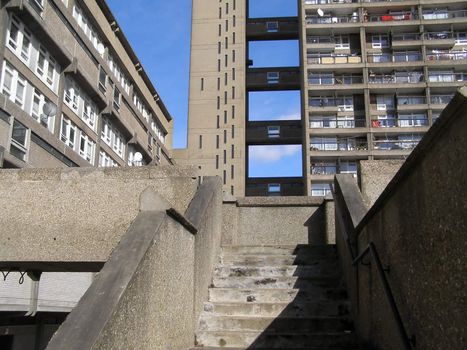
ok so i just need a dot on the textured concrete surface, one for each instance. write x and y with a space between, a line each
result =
79 214
254 307
279 201
418 225
375 176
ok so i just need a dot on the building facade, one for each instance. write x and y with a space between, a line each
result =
73 92
374 76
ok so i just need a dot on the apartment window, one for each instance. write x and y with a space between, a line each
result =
141 107
225 97
233 56
218 122
320 189
132 159
274 132
200 145
218 84
117 99
232 172
226 78
202 84
225 117
220 30
219 47
19 140
272 77
227 8
272 27
225 136
38 6
232 190
234 20
233 131
111 136
233 112
233 38
232 152
102 79
13 84
218 65
217 161
225 157
226 25
80 103
226 41
379 41
233 73
39 101
68 132
106 161
119 74
233 92
274 189
224 176
226 60
217 141
88 29
234 5
220 12
218 102
86 147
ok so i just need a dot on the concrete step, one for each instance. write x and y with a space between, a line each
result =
272 260
272 340
275 282
323 250
266 348
322 268
294 309
274 324
238 295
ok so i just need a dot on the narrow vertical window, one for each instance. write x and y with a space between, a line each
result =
226 40
218 84
232 172
218 122
220 12
225 78
233 73
225 136
225 157
225 117
232 152
234 5
233 131
227 8
234 20
220 29
218 102
226 60
225 97
217 141
233 92
200 141
233 56
225 177
217 161
226 25
219 45
202 84
233 112
232 190
218 65
233 38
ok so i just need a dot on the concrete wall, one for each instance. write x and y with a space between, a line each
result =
274 221
79 214
374 177
418 226
150 293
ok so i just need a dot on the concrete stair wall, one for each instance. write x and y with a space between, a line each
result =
276 297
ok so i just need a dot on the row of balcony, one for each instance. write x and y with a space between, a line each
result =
402 121
395 78
399 16
334 144
406 56
346 103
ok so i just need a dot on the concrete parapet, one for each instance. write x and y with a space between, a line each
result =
417 226
274 221
78 214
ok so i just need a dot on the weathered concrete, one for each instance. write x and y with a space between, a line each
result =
418 225
274 221
79 214
375 176
150 293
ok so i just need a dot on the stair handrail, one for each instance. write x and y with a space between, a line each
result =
349 216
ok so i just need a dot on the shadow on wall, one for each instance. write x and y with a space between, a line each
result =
316 225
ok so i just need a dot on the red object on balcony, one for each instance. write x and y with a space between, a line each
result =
387 18
375 124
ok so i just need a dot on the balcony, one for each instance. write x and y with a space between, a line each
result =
407 143
402 121
446 55
448 78
326 170
407 103
337 144
439 39
406 40
391 18
437 15
333 19
440 101
337 81
334 59
397 57
330 2
336 123
398 78
331 104
281 28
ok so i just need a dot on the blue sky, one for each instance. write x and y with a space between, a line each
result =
159 32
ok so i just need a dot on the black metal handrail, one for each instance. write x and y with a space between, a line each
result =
371 248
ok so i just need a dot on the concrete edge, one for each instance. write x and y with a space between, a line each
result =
104 294
197 208
448 116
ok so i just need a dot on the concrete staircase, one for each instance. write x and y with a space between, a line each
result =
277 297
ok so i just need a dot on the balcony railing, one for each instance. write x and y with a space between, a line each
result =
340 145
342 104
407 16
323 169
391 145
446 56
333 59
396 57
401 122
329 19
338 123
441 99
323 79
433 15
327 2
320 40
410 100
406 37
395 79
447 77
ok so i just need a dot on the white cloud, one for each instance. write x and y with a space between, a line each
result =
293 116
271 154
